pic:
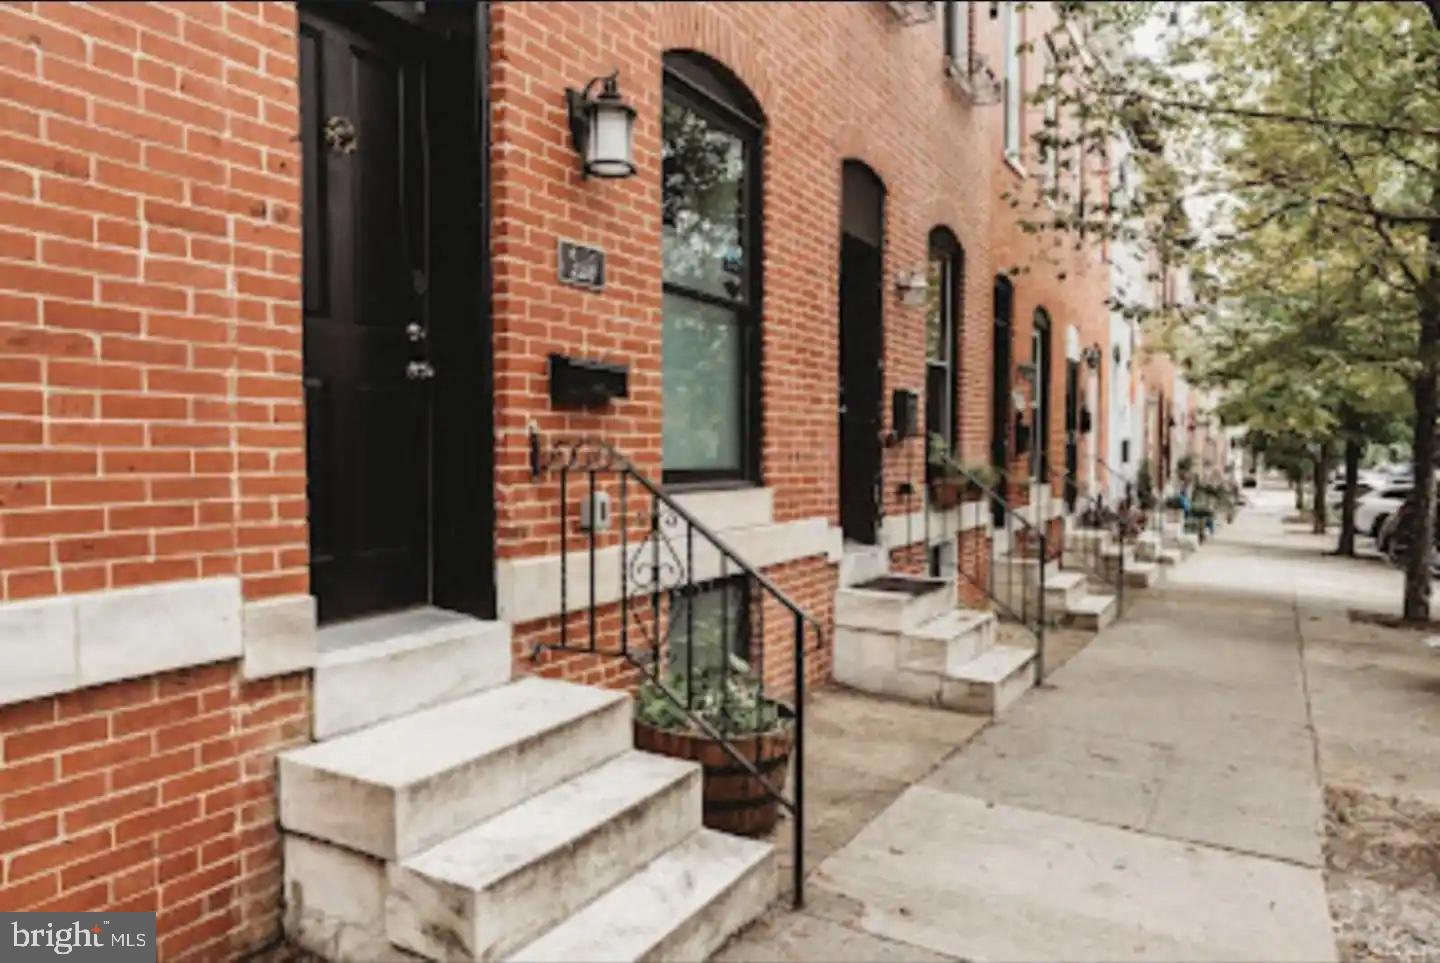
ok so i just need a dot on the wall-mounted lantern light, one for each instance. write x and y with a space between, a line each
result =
602 128
1091 357
912 288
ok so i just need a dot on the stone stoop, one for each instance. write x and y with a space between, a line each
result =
384 667
912 643
1138 574
492 826
1148 546
1069 599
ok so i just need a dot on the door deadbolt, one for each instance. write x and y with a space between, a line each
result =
419 371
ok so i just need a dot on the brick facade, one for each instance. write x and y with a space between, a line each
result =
154 794
152 426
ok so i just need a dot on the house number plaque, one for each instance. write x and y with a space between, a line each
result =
581 266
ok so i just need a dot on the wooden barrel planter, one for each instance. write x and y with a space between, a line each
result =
735 801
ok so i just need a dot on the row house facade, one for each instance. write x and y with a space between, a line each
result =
380 382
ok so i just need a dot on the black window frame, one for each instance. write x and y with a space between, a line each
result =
944 246
739 644
711 90
1042 357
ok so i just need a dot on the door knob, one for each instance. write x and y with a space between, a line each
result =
419 371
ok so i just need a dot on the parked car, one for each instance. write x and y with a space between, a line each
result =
1374 508
1335 497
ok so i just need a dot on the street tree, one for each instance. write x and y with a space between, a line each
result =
1251 115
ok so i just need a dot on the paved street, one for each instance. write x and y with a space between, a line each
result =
1164 797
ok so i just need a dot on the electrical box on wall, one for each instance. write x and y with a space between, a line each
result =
904 414
586 383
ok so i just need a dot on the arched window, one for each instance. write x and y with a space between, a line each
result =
942 334
711 130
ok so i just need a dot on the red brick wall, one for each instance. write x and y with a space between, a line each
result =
798 59
150 405
1070 281
156 794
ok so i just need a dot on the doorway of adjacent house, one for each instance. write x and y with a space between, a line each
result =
1004 302
395 327
1072 433
862 372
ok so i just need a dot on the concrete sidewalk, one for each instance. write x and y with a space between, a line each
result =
1161 798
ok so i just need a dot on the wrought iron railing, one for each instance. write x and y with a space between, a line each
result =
1013 575
678 604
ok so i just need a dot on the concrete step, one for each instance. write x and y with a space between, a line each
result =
988 684
1170 556
683 906
948 640
861 563
499 885
1093 611
402 786
1140 574
893 603
374 669
1062 588
1083 539
1148 546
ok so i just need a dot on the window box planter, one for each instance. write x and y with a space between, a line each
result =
734 801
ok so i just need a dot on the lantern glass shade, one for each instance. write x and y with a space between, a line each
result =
610 150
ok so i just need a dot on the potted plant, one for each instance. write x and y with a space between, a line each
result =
761 730
952 481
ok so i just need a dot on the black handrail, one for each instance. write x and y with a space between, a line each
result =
987 583
657 568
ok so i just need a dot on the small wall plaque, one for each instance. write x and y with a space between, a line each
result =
581 265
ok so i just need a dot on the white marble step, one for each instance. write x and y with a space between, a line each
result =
872 606
1091 611
494 887
1169 556
947 640
683 906
379 668
401 786
1140 574
992 681
1062 588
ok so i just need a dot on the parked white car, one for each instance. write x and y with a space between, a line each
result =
1374 507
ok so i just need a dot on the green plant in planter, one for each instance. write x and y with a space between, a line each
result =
945 465
729 702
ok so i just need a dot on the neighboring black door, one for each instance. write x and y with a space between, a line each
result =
1000 395
366 367
1072 433
861 373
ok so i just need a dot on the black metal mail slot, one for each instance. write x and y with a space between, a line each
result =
585 382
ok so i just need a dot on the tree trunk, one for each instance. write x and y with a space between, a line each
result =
1322 471
1347 507
1299 487
1417 566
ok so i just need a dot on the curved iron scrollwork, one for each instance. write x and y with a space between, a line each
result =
651 553
656 564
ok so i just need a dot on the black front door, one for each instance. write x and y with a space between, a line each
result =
1000 396
861 375
367 371
1072 433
